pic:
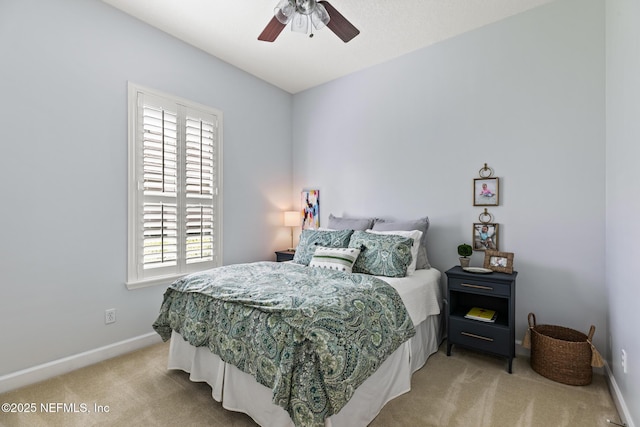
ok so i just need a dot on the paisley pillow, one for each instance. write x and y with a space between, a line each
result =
310 239
416 235
381 254
421 224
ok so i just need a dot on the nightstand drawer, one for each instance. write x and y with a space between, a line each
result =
474 334
480 287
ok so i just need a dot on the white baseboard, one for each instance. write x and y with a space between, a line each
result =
520 350
67 364
618 399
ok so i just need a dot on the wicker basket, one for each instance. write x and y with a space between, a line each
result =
562 354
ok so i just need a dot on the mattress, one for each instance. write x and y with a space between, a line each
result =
420 293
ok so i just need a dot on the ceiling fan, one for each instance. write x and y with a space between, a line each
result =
305 15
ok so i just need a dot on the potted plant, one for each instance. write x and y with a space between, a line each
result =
465 251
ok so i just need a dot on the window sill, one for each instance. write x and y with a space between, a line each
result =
155 281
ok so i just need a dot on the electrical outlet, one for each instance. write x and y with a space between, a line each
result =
624 361
110 316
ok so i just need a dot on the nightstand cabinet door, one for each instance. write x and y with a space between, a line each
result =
282 256
493 291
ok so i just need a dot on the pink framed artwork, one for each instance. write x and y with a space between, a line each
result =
310 209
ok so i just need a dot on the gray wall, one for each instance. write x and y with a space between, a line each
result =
525 95
623 187
63 114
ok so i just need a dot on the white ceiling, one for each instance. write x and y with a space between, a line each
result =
229 30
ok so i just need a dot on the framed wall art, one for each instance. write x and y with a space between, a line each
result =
485 236
310 209
485 192
499 261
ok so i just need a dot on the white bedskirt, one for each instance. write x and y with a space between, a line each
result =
240 392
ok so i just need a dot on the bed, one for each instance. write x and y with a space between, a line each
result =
291 344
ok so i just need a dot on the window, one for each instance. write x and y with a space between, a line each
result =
175 199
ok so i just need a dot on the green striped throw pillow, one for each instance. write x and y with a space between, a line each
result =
341 259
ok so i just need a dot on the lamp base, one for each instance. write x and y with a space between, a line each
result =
292 249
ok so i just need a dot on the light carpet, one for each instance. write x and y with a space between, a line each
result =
466 389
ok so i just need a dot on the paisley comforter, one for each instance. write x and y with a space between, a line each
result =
309 334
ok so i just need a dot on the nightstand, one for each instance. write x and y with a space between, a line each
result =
282 256
493 291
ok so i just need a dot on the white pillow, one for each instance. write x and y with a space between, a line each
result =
341 259
415 235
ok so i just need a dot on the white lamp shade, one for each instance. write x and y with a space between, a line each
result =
292 219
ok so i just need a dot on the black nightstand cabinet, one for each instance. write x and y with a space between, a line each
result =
493 291
282 256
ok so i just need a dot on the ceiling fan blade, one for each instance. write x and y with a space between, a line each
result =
339 24
272 30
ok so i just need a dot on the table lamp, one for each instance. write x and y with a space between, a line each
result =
291 219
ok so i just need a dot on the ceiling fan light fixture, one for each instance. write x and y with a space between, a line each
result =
300 23
319 17
305 7
284 11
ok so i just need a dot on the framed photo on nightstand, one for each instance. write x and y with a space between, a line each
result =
499 261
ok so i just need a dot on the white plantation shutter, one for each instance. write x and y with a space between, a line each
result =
175 198
160 235
160 151
201 171
199 237
200 157
160 181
